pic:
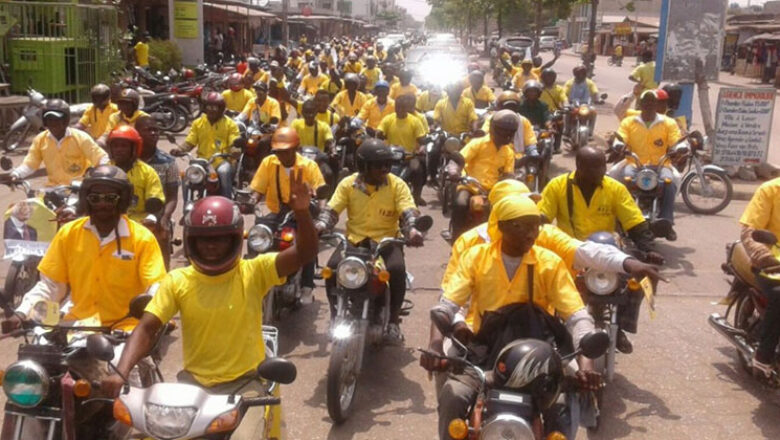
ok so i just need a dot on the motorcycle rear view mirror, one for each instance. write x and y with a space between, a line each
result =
442 321
423 223
452 145
764 237
594 344
323 192
99 347
5 163
277 369
138 305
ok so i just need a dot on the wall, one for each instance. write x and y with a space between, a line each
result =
191 48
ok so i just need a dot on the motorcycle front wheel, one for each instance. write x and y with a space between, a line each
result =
167 117
15 137
708 193
342 378
182 119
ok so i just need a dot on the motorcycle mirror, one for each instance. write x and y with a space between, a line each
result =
603 96
594 344
423 223
99 347
452 145
764 237
441 320
277 369
323 192
138 305
5 163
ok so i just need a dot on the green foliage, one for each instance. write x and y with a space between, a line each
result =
164 55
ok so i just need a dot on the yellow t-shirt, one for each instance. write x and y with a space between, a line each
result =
269 109
236 101
425 102
645 75
483 94
271 169
520 79
142 54
618 51
68 162
397 90
480 281
311 84
95 120
294 63
487 163
102 283
118 118
592 88
372 115
355 67
343 105
221 317
611 202
455 120
649 143
146 185
763 211
211 139
555 97
526 131
372 77
312 135
260 75
402 132
372 212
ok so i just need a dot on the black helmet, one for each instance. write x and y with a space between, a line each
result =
373 151
56 108
100 92
675 94
108 175
505 120
533 366
129 95
549 72
532 84
253 62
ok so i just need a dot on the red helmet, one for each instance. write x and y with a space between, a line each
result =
235 82
188 73
214 216
214 98
128 133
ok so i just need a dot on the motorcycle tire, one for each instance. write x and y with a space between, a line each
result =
342 378
18 281
15 137
166 116
685 189
182 119
744 311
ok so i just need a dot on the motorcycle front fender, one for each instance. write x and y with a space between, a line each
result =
715 169
20 123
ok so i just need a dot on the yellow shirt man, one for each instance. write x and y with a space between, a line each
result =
592 88
96 120
555 97
372 114
146 185
645 76
525 135
141 54
455 120
66 160
402 132
221 317
118 118
310 84
312 135
101 282
397 90
521 78
211 139
610 203
649 141
372 212
271 174
763 211
426 102
236 101
260 75
372 77
355 67
485 93
269 109
343 105
487 163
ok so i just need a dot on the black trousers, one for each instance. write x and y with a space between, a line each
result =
460 213
770 325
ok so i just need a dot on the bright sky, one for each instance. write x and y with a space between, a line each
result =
417 8
745 2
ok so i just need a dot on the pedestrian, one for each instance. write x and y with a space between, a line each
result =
141 51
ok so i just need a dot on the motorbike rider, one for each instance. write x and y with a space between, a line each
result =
95 117
532 107
128 102
262 109
313 81
404 85
348 102
490 276
254 71
427 100
372 73
165 166
649 136
539 67
511 63
553 94
477 91
581 89
213 133
454 112
65 152
294 61
376 202
353 65
377 108
274 175
524 140
219 298
487 159
407 131
312 131
524 75
644 74
236 96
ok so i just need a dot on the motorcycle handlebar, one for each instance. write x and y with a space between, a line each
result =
261 401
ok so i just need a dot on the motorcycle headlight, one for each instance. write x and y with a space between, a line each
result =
507 426
168 421
195 175
352 273
601 283
584 110
26 383
646 179
260 238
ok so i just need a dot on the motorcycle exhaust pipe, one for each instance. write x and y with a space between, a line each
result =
732 334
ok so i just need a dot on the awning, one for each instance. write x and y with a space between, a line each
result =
312 17
762 37
241 10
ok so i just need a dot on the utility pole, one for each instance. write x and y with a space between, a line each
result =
594 5
285 25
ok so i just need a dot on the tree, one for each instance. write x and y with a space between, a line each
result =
555 9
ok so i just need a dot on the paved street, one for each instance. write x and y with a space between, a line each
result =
682 381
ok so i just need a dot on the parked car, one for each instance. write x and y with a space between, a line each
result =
521 44
546 43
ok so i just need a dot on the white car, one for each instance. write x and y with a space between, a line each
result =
547 43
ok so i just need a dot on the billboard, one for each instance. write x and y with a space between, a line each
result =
744 126
694 39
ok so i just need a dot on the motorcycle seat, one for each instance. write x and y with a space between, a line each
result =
739 260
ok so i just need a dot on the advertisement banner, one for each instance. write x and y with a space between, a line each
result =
744 126
185 19
694 39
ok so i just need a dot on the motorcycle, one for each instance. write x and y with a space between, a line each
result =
705 189
577 129
343 157
362 316
31 120
615 61
479 206
253 151
510 412
201 179
746 305
534 170
168 111
445 187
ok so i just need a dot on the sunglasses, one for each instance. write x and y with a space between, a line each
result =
94 199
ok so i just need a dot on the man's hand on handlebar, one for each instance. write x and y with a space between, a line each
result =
14 322
112 385
177 152
415 238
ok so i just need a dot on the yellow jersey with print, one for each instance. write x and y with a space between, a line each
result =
221 316
312 135
146 185
141 54
397 90
485 93
329 117
211 139
372 212
102 276
519 79
610 203
426 102
294 63
95 120
372 113
402 132
455 120
272 176
645 76
487 163
263 114
649 141
236 101
763 211
118 118
372 77
66 160
346 107
311 84
555 97
355 67
481 282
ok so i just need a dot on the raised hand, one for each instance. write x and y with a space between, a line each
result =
300 193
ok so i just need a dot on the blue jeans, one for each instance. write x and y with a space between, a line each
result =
670 190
